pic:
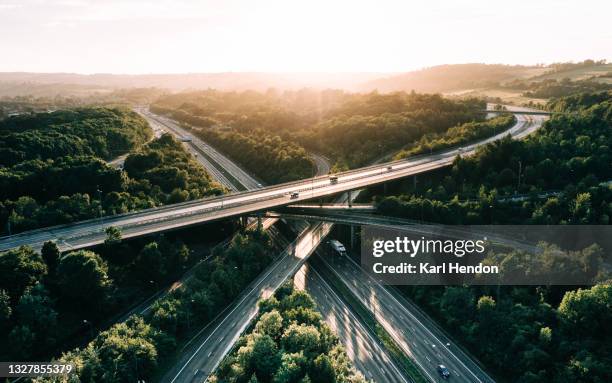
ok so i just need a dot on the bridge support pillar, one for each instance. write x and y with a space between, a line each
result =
259 224
243 222
352 237
350 199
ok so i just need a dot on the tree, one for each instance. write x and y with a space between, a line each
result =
292 368
149 264
264 357
21 341
83 279
51 254
20 268
271 324
113 235
585 312
125 353
322 370
303 338
5 309
457 305
297 299
35 311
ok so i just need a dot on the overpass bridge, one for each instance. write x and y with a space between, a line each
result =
171 217
345 215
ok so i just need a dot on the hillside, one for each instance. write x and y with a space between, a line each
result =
446 78
581 73
52 84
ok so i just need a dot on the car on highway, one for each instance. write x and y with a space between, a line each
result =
338 247
389 168
294 195
443 371
333 180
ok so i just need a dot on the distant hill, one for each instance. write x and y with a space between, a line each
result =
452 78
448 78
50 84
601 72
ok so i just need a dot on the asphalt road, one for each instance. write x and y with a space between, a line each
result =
208 349
365 352
91 232
207 156
418 336
321 163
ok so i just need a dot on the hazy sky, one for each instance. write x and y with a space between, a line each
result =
163 36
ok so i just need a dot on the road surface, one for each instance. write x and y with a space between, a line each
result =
220 340
366 353
418 336
91 232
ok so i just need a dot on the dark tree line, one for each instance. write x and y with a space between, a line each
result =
94 131
352 129
137 348
270 157
561 174
38 193
290 343
47 299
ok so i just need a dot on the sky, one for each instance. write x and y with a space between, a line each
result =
187 36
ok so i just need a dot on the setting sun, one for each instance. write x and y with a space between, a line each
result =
89 36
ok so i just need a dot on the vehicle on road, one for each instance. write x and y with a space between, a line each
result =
443 371
294 195
333 180
259 185
338 247
389 168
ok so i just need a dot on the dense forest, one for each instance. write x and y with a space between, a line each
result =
370 126
456 136
41 311
351 129
289 343
71 146
271 158
101 132
561 174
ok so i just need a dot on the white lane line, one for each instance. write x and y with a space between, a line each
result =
227 316
350 313
424 327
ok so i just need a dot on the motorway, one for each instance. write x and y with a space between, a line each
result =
364 351
219 166
418 336
91 232
221 339
362 217
208 348
218 342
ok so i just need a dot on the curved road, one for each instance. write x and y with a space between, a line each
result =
91 232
